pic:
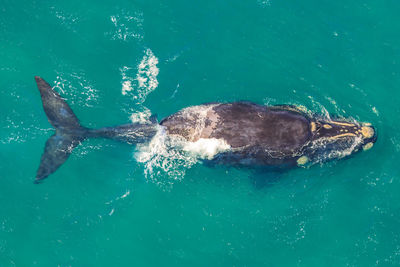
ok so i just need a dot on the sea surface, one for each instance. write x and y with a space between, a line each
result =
111 204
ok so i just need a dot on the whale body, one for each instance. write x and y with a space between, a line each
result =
241 133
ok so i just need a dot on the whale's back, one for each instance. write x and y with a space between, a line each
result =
243 125
247 124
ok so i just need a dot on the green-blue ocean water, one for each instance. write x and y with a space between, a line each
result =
118 60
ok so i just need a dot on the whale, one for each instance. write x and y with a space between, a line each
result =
238 134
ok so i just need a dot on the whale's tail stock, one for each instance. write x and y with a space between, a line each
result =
70 133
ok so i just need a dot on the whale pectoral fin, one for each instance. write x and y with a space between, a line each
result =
56 152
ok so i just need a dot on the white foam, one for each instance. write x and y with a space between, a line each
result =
264 3
67 83
127 193
164 160
138 82
127 26
157 157
142 115
126 80
144 81
335 105
375 110
321 109
206 148
126 87
147 74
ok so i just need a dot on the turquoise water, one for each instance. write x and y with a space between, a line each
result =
116 61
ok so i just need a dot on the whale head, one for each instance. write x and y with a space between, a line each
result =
334 139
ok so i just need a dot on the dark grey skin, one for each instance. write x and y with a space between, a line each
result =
277 136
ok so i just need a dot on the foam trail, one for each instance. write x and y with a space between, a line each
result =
147 75
163 165
145 80
138 82
126 80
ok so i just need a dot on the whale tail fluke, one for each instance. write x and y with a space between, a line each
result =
57 150
70 133
58 112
